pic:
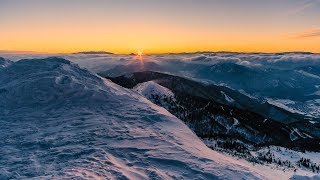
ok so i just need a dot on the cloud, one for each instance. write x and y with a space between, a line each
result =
308 33
295 58
181 63
304 6
20 52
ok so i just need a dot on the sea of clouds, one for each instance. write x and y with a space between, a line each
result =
276 77
102 62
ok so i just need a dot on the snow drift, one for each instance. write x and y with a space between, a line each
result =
60 121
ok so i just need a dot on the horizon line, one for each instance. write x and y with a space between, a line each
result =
178 52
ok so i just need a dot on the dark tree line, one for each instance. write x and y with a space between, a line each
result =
307 163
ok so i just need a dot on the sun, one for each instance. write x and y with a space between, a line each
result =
139 56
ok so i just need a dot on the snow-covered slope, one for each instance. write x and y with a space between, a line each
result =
60 121
150 88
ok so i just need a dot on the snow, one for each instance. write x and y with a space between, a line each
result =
228 98
247 94
309 74
274 171
292 156
60 121
309 108
235 123
317 93
313 107
284 104
147 89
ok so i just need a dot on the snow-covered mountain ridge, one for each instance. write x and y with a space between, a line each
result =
290 161
60 121
195 100
231 131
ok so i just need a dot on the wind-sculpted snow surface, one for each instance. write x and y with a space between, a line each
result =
60 121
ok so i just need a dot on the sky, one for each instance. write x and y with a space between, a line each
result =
160 26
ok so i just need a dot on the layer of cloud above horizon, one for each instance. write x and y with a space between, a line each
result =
309 33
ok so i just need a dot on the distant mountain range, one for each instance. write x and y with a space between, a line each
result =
93 52
289 81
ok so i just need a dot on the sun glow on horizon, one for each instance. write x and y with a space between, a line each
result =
139 57
140 53
167 26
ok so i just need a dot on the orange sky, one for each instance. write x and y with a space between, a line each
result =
159 27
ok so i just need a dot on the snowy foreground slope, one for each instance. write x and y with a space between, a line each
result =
58 120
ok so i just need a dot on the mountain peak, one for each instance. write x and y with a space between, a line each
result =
53 111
